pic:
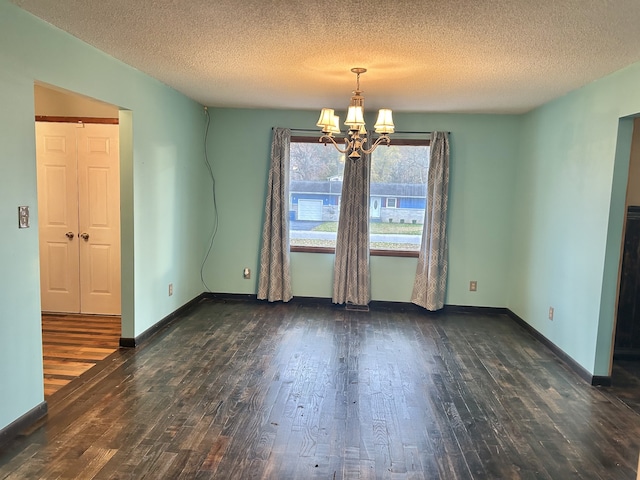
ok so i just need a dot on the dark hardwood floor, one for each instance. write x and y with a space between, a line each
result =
72 344
239 390
626 382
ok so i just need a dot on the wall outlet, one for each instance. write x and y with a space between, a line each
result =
246 273
473 286
170 289
550 313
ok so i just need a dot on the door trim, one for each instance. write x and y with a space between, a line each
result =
104 121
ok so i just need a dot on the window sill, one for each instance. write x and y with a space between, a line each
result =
373 253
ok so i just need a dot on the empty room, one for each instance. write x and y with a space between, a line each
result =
220 261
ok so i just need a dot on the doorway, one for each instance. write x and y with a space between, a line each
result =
79 217
78 181
626 353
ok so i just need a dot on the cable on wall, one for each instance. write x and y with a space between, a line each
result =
215 205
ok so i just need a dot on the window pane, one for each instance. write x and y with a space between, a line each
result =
315 185
398 196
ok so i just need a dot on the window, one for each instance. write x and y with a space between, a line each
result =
396 204
315 186
398 175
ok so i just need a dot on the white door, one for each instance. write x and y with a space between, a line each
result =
99 218
58 216
89 266
375 206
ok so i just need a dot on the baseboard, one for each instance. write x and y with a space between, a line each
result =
373 305
230 297
475 310
12 430
127 342
595 380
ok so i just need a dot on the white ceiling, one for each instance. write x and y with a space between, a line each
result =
497 56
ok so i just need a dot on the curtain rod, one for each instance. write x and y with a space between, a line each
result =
317 131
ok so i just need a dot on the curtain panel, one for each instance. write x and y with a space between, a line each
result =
274 282
429 288
351 282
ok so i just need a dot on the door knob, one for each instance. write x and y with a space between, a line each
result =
85 236
69 235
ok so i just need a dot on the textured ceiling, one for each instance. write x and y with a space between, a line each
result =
435 56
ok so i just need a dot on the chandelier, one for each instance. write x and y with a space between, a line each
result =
356 141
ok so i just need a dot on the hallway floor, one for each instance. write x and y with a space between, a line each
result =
72 344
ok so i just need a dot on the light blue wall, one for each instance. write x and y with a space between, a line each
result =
163 199
483 161
569 213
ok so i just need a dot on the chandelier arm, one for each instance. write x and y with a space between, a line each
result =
324 138
379 141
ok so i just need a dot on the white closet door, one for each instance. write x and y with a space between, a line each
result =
99 218
58 216
79 217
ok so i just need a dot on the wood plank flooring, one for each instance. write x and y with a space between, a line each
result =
239 390
72 344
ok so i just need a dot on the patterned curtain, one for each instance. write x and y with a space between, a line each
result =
430 284
351 268
274 282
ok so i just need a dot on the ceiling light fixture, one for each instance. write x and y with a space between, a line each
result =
356 140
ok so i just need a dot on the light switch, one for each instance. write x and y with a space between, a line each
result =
23 217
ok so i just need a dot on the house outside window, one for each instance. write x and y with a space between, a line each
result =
399 175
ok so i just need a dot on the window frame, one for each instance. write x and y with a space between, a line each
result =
372 252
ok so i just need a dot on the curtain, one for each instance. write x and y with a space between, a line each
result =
351 268
430 283
274 282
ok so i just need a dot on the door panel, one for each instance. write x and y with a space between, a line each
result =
57 217
99 218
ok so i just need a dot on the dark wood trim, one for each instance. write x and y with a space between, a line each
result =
16 427
127 342
374 304
414 142
393 253
601 381
310 139
231 297
303 249
595 380
104 121
471 309
372 252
